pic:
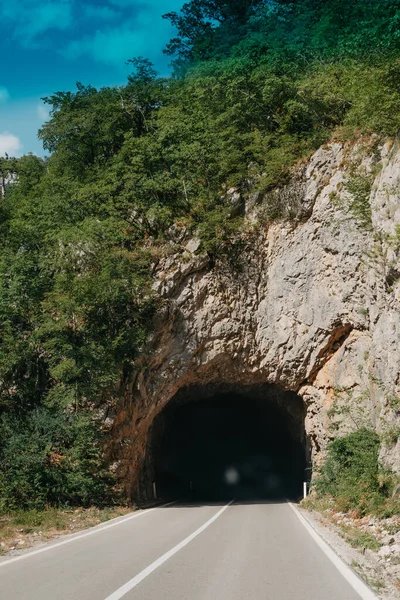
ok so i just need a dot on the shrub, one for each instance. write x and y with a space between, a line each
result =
351 474
359 187
270 82
51 458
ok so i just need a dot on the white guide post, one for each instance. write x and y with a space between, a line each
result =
154 490
305 489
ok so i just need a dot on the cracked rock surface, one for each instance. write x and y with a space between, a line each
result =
313 308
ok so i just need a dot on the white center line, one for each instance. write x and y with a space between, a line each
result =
132 583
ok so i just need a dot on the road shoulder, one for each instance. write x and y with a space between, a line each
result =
367 564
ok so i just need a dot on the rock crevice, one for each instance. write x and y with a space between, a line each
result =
311 310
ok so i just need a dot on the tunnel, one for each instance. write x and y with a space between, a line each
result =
220 443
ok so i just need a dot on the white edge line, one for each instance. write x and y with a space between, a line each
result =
351 577
79 536
132 583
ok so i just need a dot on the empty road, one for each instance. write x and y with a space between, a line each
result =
183 552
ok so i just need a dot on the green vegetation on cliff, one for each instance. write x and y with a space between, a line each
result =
256 87
352 476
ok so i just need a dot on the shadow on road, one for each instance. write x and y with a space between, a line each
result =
193 503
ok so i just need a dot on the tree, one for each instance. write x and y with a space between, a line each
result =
143 94
198 20
8 168
130 169
87 127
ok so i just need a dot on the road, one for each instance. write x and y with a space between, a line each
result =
183 552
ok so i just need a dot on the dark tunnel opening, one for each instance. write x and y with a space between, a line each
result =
248 444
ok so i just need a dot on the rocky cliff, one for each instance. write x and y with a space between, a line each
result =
312 306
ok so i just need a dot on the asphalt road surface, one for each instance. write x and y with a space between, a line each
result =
182 552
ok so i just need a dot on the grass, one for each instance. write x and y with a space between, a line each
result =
354 535
359 538
319 504
375 583
22 529
393 528
352 476
391 436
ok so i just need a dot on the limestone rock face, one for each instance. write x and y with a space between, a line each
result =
312 306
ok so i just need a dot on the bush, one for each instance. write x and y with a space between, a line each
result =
51 458
359 187
270 82
351 474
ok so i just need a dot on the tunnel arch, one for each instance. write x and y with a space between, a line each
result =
216 442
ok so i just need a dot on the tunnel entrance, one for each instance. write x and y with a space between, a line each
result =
215 444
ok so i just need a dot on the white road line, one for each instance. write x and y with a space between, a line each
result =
132 583
356 583
79 536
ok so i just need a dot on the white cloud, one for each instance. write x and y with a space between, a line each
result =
42 112
9 144
4 95
115 45
30 19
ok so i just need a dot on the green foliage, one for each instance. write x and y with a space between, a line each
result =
352 476
88 127
391 435
257 87
283 28
358 538
51 458
33 518
197 25
359 187
351 406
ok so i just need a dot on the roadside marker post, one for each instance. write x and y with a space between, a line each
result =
154 490
305 489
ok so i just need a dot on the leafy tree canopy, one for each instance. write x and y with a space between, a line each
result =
257 86
280 28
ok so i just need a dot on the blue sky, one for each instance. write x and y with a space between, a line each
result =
49 45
